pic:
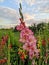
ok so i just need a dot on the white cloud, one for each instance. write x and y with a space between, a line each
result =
30 2
11 16
42 16
1 0
27 16
39 5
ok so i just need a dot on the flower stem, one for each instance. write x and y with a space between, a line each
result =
8 52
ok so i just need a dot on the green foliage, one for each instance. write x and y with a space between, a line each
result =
12 53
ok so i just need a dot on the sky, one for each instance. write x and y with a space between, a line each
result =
32 10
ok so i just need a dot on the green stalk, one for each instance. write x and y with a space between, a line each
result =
8 62
39 61
43 63
20 62
30 62
36 63
40 48
16 60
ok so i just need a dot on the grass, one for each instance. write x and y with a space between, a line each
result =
14 40
14 36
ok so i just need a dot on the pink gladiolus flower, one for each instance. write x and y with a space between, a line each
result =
26 46
23 38
27 37
32 40
26 31
31 49
20 27
31 54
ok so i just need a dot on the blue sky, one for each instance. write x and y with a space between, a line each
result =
32 9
